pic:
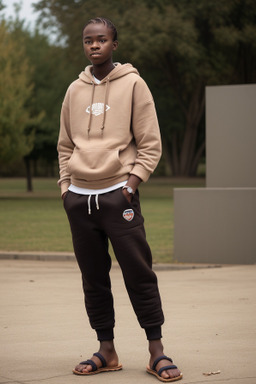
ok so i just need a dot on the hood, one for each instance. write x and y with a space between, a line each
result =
119 71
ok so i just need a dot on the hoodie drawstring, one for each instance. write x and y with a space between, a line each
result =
96 202
105 105
90 115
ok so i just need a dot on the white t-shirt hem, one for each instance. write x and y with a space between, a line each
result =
86 191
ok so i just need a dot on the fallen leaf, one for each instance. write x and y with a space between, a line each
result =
211 373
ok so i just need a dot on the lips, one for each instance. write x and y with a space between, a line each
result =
95 54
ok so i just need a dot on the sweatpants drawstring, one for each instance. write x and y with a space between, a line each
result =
96 202
89 204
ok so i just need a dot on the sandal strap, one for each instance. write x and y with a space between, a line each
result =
166 368
90 362
159 359
101 358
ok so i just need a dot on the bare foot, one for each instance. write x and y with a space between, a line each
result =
107 350
156 350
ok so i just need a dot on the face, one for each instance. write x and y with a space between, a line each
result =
98 43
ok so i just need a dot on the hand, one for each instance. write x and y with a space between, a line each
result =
64 195
127 195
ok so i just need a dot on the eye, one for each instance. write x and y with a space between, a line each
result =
87 42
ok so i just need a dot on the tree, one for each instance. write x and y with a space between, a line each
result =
194 44
50 75
15 90
179 47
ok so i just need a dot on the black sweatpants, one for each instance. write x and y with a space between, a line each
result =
94 220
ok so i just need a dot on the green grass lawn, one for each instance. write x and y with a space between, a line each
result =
36 221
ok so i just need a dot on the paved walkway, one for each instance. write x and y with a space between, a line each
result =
210 325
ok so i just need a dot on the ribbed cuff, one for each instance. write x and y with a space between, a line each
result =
154 333
105 334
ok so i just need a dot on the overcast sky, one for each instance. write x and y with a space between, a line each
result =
26 10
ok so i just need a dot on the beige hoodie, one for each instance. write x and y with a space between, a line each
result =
108 130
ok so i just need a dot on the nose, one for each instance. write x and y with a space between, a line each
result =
95 45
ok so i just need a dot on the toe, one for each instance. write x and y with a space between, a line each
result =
87 368
167 373
83 368
172 373
78 368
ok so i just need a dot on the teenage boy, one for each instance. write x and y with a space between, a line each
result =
109 142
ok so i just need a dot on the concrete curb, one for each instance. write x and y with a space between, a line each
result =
69 256
41 256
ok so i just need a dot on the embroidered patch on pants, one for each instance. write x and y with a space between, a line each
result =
128 214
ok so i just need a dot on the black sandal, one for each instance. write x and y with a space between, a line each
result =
95 369
158 373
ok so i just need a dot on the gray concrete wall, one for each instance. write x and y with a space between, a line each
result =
218 224
215 225
231 136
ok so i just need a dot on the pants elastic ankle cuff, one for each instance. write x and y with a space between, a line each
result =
154 333
105 334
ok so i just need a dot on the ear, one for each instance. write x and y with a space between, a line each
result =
115 45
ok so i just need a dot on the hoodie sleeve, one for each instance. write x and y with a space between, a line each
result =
146 131
65 146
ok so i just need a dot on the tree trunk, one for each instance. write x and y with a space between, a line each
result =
193 117
28 174
175 155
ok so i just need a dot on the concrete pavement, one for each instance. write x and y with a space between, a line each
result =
210 324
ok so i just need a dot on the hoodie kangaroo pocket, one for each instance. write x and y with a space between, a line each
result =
94 164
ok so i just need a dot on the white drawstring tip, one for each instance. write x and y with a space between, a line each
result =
89 204
97 201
